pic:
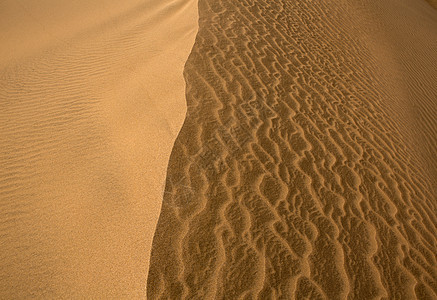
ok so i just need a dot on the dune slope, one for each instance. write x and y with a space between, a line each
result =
87 123
306 164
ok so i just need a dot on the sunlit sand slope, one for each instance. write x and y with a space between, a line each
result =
87 122
306 164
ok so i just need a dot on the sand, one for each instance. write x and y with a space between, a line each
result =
306 166
92 97
288 148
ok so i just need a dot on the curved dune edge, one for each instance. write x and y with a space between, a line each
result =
92 97
305 168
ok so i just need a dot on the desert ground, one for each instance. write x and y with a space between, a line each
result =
92 97
306 166
218 149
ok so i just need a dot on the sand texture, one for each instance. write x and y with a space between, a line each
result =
87 124
306 165
433 3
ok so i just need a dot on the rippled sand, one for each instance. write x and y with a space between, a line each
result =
306 167
92 97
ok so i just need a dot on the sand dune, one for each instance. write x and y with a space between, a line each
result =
87 123
306 166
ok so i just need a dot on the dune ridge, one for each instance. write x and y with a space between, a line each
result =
87 124
300 170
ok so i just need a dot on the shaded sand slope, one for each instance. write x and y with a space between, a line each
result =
433 3
402 37
87 123
304 167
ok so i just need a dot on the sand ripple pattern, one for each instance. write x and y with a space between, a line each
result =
83 100
289 178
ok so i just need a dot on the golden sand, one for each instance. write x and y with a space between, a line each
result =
306 166
92 97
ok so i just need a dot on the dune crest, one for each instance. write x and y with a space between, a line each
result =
92 97
305 168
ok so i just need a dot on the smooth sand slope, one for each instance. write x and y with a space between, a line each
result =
306 166
92 97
